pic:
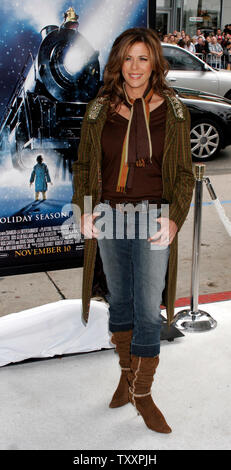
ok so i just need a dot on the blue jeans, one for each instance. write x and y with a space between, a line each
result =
135 276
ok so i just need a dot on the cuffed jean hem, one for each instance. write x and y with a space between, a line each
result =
113 327
145 350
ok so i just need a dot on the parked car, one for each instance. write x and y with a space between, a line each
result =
210 122
187 70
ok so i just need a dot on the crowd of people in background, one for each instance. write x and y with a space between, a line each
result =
212 47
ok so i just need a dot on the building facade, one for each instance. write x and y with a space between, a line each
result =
189 15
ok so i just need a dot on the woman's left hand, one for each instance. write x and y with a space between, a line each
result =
166 234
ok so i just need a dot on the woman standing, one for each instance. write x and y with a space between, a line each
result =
135 148
189 46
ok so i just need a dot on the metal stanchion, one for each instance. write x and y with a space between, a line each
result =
223 217
195 320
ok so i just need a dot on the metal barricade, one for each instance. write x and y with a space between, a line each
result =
201 56
214 60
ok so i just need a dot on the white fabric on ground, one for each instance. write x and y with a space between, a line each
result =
53 329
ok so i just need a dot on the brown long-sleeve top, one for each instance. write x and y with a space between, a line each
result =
147 182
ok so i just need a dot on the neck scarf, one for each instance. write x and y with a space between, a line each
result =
137 146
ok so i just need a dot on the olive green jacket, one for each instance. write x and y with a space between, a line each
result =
178 183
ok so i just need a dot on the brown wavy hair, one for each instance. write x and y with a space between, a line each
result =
113 78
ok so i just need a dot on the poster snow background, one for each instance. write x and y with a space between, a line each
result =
100 21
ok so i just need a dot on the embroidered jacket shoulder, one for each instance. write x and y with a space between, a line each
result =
95 107
179 109
98 104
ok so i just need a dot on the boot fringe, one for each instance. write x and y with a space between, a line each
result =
141 380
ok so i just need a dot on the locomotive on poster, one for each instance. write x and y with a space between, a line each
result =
46 109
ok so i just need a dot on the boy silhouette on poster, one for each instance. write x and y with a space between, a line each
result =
40 174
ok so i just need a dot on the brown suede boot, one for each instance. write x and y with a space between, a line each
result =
122 340
140 380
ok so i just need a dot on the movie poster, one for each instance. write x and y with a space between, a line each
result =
52 56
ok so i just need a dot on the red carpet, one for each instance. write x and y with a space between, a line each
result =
205 298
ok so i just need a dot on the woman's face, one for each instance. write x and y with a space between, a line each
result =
137 68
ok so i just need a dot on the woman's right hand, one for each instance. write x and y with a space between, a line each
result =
88 228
